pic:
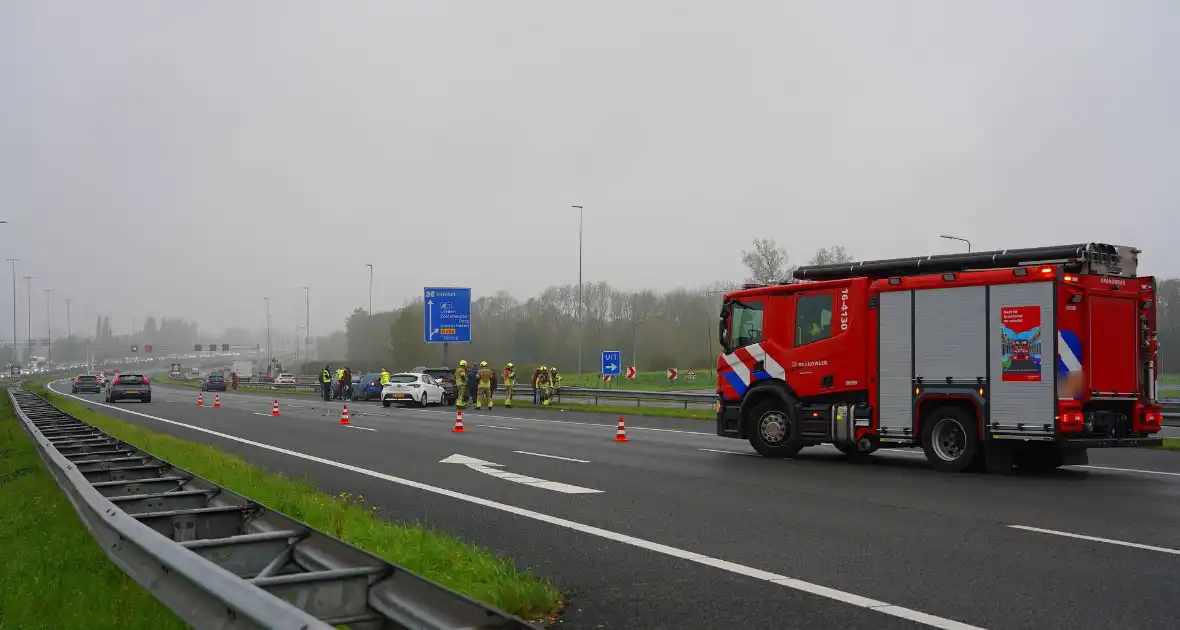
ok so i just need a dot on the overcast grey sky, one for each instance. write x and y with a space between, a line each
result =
188 158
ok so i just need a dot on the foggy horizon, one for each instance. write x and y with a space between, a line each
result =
189 160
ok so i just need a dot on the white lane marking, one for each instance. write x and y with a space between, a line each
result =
494 426
257 413
732 567
353 426
488 468
585 424
1130 470
568 459
1109 541
715 450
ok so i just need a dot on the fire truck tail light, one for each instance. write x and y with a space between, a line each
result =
1046 271
1071 278
1152 417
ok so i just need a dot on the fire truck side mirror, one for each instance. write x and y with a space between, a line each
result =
723 325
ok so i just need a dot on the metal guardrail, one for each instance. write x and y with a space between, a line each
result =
220 560
593 394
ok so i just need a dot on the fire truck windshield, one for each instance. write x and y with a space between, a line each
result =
745 324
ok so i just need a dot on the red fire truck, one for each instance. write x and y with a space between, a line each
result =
918 352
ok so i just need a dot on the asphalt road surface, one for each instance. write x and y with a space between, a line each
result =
679 528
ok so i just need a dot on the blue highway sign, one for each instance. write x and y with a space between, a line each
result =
612 362
448 315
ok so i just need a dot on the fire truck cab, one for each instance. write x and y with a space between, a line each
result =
1024 357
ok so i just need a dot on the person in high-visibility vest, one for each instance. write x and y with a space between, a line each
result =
326 383
461 384
537 384
543 384
384 377
509 383
554 381
339 381
484 383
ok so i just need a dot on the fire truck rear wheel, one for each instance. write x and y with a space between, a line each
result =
950 438
772 430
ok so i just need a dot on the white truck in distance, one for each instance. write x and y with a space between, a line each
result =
244 369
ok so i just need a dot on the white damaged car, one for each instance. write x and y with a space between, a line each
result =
411 387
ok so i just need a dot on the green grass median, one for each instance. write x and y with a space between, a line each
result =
463 567
52 572
1171 444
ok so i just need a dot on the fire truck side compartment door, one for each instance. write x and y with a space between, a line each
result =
1022 398
1114 338
895 407
950 328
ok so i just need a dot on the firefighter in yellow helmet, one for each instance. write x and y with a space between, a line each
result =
543 384
554 382
509 382
484 384
461 384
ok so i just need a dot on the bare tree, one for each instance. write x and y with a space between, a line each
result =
830 255
767 262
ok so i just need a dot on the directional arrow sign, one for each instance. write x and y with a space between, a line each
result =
489 468
447 315
630 371
671 374
612 361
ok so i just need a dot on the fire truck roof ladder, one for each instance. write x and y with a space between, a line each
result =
1088 258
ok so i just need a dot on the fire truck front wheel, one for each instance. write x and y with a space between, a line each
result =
950 438
772 431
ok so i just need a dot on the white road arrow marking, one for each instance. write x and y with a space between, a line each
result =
489 468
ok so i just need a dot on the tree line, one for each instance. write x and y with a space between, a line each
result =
654 330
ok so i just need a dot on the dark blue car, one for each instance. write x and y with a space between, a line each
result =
213 383
86 383
367 387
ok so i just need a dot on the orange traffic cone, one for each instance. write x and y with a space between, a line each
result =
274 410
217 401
200 399
621 432
458 422
344 415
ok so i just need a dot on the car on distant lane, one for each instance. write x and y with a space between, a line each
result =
410 387
86 383
213 382
285 379
135 386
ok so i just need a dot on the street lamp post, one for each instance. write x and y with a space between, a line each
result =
370 266
307 323
270 353
29 303
49 324
69 332
13 261
957 238
579 311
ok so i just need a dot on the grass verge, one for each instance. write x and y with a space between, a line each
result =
1171 444
466 568
52 573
